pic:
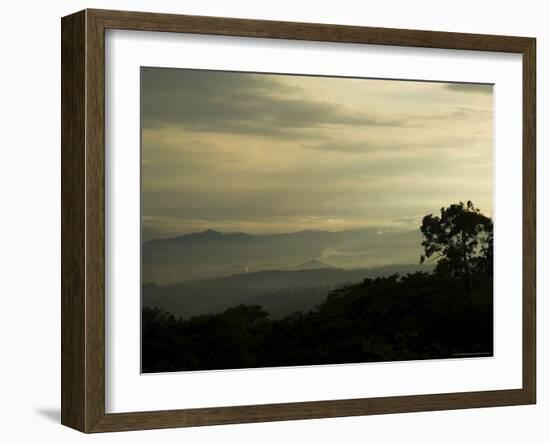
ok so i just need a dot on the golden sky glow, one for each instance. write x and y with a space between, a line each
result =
264 153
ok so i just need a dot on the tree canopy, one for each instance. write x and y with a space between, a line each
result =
461 240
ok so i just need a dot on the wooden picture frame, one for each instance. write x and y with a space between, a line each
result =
83 220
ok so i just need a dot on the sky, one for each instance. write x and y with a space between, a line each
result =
267 153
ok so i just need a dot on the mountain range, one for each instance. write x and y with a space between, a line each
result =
213 254
279 292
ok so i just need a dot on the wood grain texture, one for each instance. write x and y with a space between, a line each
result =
145 21
308 410
529 220
83 220
95 222
73 129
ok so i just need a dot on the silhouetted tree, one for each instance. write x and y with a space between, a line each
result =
461 239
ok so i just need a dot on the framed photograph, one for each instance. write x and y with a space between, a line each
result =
267 220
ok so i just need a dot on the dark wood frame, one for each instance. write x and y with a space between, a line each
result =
83 216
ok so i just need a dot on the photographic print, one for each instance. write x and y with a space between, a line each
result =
292 220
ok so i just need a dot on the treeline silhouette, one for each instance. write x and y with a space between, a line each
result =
444 314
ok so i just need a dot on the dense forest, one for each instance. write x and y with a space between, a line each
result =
446 313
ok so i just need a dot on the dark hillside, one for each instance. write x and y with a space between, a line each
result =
419 316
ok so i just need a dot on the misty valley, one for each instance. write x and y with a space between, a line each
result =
278 292
246 301
217 270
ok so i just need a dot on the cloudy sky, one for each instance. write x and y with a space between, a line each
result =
265 153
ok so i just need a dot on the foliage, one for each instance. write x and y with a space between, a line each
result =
417 316
461 239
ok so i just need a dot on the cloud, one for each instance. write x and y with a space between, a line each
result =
368 146
272 153
471 88
356 147
415 220
255 104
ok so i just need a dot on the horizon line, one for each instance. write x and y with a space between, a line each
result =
381 228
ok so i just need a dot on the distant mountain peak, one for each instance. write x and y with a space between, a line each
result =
215 253
211 232
313 264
